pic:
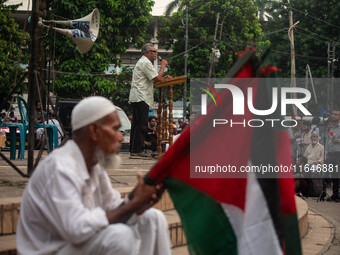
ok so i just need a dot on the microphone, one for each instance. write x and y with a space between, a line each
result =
160 60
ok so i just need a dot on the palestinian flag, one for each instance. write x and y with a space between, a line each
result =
249 215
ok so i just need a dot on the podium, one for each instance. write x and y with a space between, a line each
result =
165 116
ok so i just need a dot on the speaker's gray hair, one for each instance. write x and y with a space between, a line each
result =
146 47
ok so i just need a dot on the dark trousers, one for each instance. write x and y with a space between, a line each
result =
334 159
140 112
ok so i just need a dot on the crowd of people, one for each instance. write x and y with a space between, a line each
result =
316 148
11 118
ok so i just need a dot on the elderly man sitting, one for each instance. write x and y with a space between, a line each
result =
314 151
69 205
310 182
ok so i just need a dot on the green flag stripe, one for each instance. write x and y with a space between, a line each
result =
206 226
292 234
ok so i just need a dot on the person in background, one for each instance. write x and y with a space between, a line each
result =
39 114
174 130
141 96
180 123
314 151
333 152
52 120
3 116
12 117
151 137
294 134
300 181
306 136
315 125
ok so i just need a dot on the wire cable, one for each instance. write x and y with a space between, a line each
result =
328 39
274 32
315 18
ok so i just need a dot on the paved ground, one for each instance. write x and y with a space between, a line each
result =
12 184
331 212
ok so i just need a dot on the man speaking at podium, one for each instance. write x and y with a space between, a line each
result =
141 96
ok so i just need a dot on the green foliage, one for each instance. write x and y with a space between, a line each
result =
240 28
318 25
171 7
9 51
120 94
311 34
122 23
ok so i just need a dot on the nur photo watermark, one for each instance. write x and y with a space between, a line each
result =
262 126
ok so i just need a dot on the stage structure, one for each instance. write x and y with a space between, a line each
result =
165 116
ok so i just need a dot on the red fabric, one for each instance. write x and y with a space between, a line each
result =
287 189
231 146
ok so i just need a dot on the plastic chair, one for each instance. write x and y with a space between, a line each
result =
51 129
13 138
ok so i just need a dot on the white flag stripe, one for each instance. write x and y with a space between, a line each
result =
253 228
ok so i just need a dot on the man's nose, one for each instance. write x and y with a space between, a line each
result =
121 137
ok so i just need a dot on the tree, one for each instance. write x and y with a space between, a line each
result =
238 28
262 7
170 8
9 52
121 23
121 90
318 26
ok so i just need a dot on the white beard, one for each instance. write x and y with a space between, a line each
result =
107 161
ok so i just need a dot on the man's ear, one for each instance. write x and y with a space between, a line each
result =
93 132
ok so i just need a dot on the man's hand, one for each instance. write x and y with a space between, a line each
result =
164 62
335 139
147 143
145 196
167 76
160 76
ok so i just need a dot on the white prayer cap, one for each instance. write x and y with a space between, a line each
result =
90 110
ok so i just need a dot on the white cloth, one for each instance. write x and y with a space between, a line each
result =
314 154
40 131
102 242
89 110
64 206
307 138
142 82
